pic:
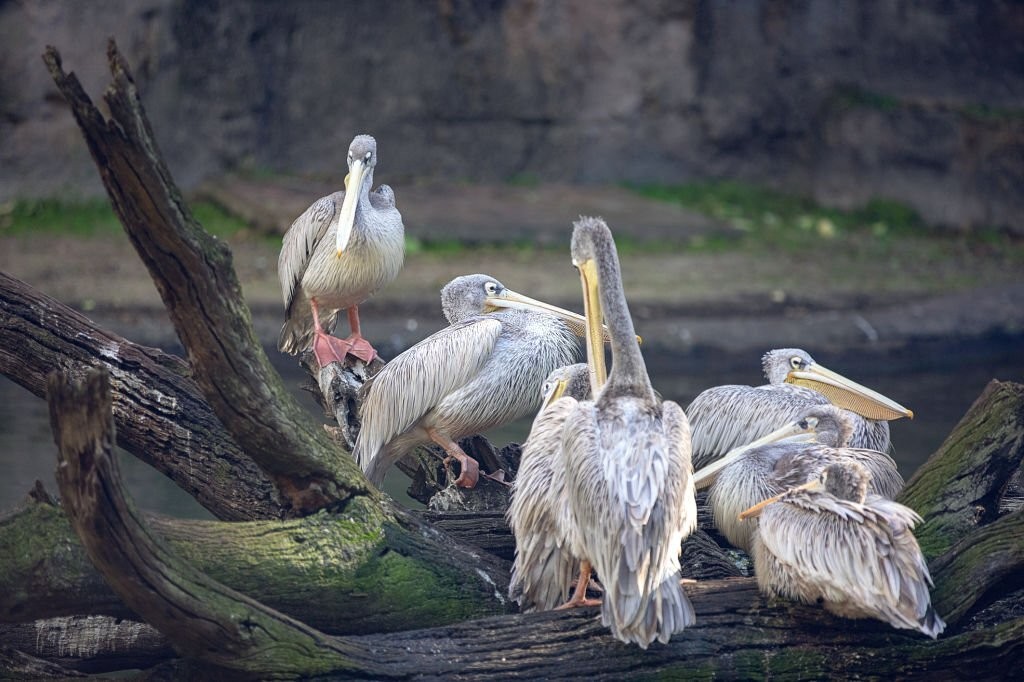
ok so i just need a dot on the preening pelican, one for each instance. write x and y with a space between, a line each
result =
341 250
484 370
830 540
539 513
627 466
783 460
727 417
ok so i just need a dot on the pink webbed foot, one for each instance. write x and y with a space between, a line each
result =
328 349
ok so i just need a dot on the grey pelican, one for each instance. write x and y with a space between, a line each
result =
782 460
627 466
539 513
726 417
829 540
336 254
484 370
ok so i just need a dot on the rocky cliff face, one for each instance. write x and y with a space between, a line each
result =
921 102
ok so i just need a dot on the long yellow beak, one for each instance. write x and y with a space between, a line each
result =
510 299
347 215
790 433
594 327
755 511
848 394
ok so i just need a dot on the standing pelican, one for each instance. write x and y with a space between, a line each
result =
727 417
484 370
539 513
829 540
341 250
627 466
780 461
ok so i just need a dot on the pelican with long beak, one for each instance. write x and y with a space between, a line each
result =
539 513
830 541
786 457
627 466
728 417
484 370
345 247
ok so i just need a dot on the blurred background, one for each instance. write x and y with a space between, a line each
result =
842 176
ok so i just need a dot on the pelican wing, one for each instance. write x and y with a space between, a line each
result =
631 493
300 241
540 517
726 417
413 383
864 561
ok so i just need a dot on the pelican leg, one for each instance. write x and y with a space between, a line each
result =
470 473
579 595
326 348
358 346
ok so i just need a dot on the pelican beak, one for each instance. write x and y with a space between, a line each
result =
594 327
347 215
510 299
755 511
556 391
847 394
790 433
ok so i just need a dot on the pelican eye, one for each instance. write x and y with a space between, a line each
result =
796 362
367 156
491 288
803 424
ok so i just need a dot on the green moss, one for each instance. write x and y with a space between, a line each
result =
91 217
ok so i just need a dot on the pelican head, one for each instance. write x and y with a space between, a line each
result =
847 480
362 158
480 294
570 380
796 366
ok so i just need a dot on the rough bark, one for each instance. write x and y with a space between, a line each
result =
964 481
193 273
161 416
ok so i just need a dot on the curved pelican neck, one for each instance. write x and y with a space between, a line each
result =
629 372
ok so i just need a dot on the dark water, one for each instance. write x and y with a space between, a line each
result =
938 380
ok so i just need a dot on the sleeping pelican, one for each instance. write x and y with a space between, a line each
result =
727 417
627 466
829 540
484 370
539 513
341 250
782 460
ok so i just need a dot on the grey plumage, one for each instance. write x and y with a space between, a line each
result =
771 469
726 417
831 541
310 268
539 513
484 370
627 467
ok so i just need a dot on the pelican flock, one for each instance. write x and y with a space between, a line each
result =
798 469
341 250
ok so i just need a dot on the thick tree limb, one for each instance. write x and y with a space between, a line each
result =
960 487
193 273
161 416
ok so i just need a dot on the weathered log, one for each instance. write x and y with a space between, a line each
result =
161 416
193 273
963 482
89 644
17 665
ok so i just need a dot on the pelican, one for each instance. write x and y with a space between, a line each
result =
627 466
539 513
726 417
829 540
782 460
482 371
344 247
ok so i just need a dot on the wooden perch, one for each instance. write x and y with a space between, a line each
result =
193 273
161 416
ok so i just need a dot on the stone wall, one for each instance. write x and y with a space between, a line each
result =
921 102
